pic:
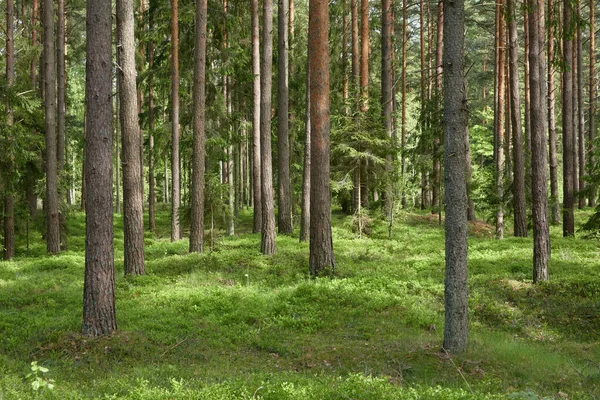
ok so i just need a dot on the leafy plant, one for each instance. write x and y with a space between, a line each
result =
36 376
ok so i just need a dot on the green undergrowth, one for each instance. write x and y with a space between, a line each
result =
233 324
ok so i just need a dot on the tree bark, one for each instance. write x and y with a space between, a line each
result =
175 161
256 153
305 206
386 96
541 235
519 206
98 292
61 86
322 260
9 200
567 124
499 118
283 183
133 200
456 327
592 103
151 159
364 91
436 203
198 153
581 124
554 200
51 203
268 210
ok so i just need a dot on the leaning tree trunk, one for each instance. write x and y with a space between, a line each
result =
268 209
256 153
51 203
520 208
322 260
283 183
198 156
567 126
456 328
9 200
133 200
99 284
175 162
541 234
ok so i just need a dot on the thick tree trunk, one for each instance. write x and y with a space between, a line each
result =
554 200
499 117
175 162
284 184
541 235
99 284
592 104
198 153
322 260
386 96
519 206
567 127
9 200
456 329
268 210
133 200
51 202
256 153
305 206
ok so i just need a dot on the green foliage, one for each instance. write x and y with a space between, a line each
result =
37 378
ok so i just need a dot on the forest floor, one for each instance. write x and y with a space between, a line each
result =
233 324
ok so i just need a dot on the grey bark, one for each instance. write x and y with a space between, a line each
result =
175 161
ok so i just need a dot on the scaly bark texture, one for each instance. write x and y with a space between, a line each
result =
322 260
580 118
284 194
99 283
51 203
519 206
133 200
61 86
175 167
554 200
539 185
456 328
268 209
256 161
386 95
198 156
567 123
305 204
436 201
9 200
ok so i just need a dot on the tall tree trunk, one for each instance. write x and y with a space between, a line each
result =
592 104
386 95
283 183
456 329
175 163
355 86
519 206
436 202
554 200
305 206
403 115
424 97
51 203
198 152
151 160
527 105
99 284
268 209
256 153
346 81
61 69
322 260
364 91
230 175
541 235
499 117
567 124
575 93
133 200
581 124
9 200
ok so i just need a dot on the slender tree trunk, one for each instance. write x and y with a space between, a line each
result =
364 90
567 125
499 118
527 105
305 206
575 93
592 104
9 200
346 82
386 96
117 181
229 176
355 86
424 97
554 200
403 115
456 329
322 260
283 183
256 153
471 216
519 206
99 284
51 202
61 69
268 210
175 162
580 117
541 235
198 152
151 160
133 200
437 167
